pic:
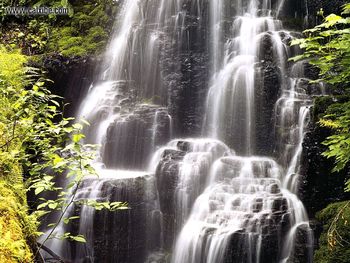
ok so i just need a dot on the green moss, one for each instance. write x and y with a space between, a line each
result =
17 227
71 44
97 34
335 248
65 43
11 67
84 33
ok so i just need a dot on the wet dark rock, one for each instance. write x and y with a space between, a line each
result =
173 155
123 235
266 95
292 10
71 78
286 224
236 203
279 205
257 206
268 226
275 189
319 186
317 229
238 249
132 139
186 72
311 71
301 248
184 146
167 178
158 258
268 252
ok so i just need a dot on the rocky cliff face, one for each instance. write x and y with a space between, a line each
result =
131 140
185 73
71 78
320 186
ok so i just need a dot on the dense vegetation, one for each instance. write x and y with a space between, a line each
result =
83 32
35 145
17 228
327 47
334 243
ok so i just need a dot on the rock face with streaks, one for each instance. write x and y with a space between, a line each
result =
132 138
320 186
116 236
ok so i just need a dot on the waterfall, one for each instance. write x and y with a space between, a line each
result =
249 203
180 118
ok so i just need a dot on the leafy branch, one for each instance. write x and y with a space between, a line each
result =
327 46
35 135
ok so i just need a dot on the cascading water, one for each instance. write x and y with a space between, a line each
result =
209 198
249 203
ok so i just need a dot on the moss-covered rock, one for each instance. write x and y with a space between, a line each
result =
83 33
334 245
86 32
16 227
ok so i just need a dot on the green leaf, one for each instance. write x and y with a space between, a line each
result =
332 19
328 46
77 126
79 238
38 190
64 3
43 205
57 159
53 205
297 58
123 208
77 137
